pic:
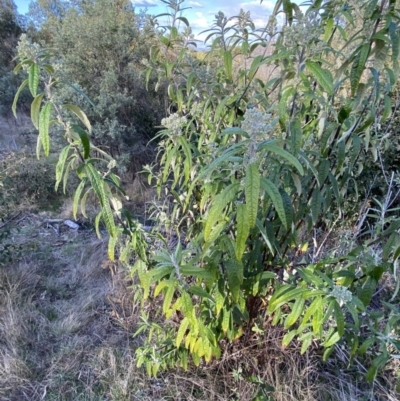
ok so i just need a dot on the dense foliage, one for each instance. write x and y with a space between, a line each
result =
252 172
11 27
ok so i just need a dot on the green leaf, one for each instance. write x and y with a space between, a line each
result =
234 272
252 192
282 106
327 353
184 20
278 300
333 339
381 50
328 29
97 183
33 79
366 292
226 318
228 64
288 10
315 204
112 243
188 158
200 292
271 147
315 310
323 171
288 207
358 67
220 202
243 229
370 8
377 363
296 136
181 331
366 345
264 235
255 65
168 296
288 337
187 305
84 140
306 342
324 77
35 107
62 158
189 270
48 68
67 170
80 114
97 224
77 196
82 94
98 186
297 310
339 318
395 41
83 205
20 89
44 122
277 201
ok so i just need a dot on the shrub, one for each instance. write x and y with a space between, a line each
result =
249 179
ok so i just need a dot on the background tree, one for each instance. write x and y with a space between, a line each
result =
98 46
11 27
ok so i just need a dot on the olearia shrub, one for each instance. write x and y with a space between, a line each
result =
250 167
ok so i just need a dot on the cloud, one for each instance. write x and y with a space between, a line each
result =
195 4
201 22
145 3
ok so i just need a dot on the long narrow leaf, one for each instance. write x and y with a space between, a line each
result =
33 79
84 140
243 228
61 164
35 108
20 89
276 198
252 192
324 77
282 153
44 122
80 114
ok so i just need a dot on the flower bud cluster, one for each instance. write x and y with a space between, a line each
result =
27 49
174 124
305 32
342 294
256 123
220 19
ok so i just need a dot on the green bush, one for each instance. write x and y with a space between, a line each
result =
26 184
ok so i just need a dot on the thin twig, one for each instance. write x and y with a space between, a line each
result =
10 220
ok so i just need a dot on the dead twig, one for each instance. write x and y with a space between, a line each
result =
12 219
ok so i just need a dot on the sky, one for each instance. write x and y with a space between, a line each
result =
201 12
